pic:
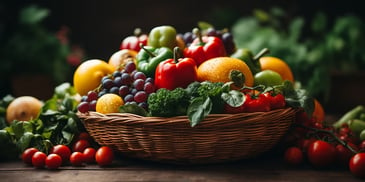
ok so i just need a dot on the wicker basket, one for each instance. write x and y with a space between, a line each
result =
218 138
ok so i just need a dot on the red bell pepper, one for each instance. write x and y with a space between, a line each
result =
204 48
176 72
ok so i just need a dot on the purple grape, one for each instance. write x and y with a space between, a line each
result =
114 90
116 73
139 75
129 67
107 83
126 79
138 84
149 87
91 95
123 90
92 105
117 81
149 79
83 107
140 96
129 98
143 105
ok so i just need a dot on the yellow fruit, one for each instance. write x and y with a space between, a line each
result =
121 57
218 70
277 65
89 74
23 108
109 103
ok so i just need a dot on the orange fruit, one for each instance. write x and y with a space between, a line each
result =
218 69
109 103
89 74
23 108
318 113
121 57
277 65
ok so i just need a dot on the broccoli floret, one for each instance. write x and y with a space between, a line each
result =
210 89
168 103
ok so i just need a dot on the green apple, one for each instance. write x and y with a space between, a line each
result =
267 78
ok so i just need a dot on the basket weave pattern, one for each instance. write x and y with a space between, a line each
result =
218 138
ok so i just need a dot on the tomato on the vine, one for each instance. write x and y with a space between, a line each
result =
53 161
357 165
259 104
39 159
104 156
293 156
28 154
343 154
321 153
63 151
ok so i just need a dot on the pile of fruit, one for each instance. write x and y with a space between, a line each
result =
166 74
196 73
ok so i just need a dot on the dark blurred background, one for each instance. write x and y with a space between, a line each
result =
96 28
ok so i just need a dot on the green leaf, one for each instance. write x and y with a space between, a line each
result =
134 109
33 15
234 98
63 89
25 140
21 127
198 109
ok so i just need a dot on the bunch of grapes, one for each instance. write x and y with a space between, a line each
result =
130 84
224 35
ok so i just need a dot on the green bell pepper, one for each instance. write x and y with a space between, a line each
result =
149 57
162 36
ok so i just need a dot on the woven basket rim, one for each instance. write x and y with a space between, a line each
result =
212 120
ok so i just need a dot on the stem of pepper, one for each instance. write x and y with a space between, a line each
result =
176 54
147 51
260 54
197 32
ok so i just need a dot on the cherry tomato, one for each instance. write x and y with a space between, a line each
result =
343 154
321 153
276 101
77 158
89 155
84 136
53 161
28 154
259 104
39 159
357 165
80 145
104 156
293 156
63 151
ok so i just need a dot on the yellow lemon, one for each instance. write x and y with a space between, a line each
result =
89 74
109 103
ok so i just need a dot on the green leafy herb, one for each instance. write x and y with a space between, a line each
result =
57 124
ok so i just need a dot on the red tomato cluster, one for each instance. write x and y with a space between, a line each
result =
322 154
263 102
80 154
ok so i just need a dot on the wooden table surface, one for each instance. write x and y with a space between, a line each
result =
262 168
